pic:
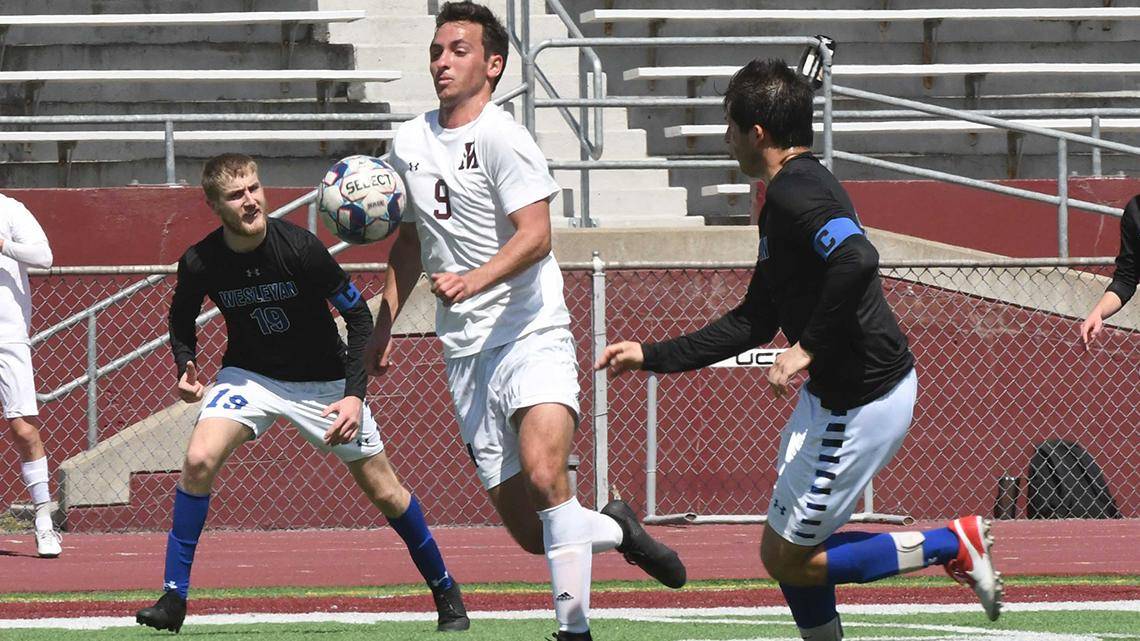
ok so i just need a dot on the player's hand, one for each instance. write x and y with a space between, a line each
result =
349 410
190 389
789 363
621 357
451 288
378 350
1091 328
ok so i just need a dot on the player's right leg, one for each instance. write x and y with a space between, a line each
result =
18 397
235 410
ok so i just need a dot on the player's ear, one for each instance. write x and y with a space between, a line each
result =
759 135
495 66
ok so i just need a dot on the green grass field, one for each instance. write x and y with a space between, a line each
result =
1074 625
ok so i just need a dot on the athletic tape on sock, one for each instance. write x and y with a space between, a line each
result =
909 548
830 631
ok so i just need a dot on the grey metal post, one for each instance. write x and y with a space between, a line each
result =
583 154
828 145
651 446
92 383
601 389
528 66
869 497
313 217
1063 195
1095 133
171 178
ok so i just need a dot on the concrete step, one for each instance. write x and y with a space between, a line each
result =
54 7
327 152
283 106
615 179
626 144
287 171
661 202
161 35
646 222
186 55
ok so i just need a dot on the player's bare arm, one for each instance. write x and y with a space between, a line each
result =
530 244
404 269
1108 305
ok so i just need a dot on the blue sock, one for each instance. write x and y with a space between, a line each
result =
412 527
189 518
862 557
811 606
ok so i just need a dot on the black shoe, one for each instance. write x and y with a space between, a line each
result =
167 614
563 635
452 614
644 551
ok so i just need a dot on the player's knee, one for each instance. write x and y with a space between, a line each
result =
545 481
199 469
390 498
24 432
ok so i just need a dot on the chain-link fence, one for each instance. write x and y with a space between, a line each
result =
1001 372
1000 366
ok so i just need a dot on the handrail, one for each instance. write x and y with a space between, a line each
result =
522 44
251 117
78 317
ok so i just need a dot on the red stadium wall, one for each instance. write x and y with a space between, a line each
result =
261 488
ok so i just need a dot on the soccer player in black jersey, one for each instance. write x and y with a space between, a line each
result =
1123 284
816 279
273 282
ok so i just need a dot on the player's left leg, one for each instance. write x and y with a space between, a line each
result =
18 397
380 484
302 405
25 434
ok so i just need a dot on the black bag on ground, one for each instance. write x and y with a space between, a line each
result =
1065 483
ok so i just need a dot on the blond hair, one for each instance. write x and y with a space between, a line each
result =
223 168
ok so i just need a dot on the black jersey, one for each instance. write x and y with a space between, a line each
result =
275 302
1124 278
816 279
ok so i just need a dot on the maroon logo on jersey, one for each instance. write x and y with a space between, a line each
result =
469 160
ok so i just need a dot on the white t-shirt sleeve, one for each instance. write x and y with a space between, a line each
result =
517 167
409 214
24 239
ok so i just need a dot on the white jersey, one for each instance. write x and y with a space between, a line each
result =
25 245
462 184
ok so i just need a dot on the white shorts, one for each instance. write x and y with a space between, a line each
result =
489 387
257 401
827 458
17 387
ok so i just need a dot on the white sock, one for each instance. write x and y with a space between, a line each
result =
35 476
607 534
566 536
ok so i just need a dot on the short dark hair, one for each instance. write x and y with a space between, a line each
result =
771 94
223 168
495 39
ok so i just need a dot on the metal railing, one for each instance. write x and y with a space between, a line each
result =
829 91
695 447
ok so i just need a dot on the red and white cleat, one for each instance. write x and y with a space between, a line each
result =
974 566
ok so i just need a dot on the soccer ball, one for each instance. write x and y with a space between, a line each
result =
361 199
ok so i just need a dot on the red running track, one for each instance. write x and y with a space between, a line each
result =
482 555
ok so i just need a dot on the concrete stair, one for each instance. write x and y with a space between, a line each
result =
612 201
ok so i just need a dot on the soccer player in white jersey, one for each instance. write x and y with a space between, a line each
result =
479 226
22 245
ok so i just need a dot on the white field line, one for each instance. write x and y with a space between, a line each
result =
640 614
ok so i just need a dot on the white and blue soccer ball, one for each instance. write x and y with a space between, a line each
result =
361 199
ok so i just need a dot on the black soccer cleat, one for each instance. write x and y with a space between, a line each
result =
167 614
449 605
639 548
563 635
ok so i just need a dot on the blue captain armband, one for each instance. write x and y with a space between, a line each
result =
346 298
833 234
